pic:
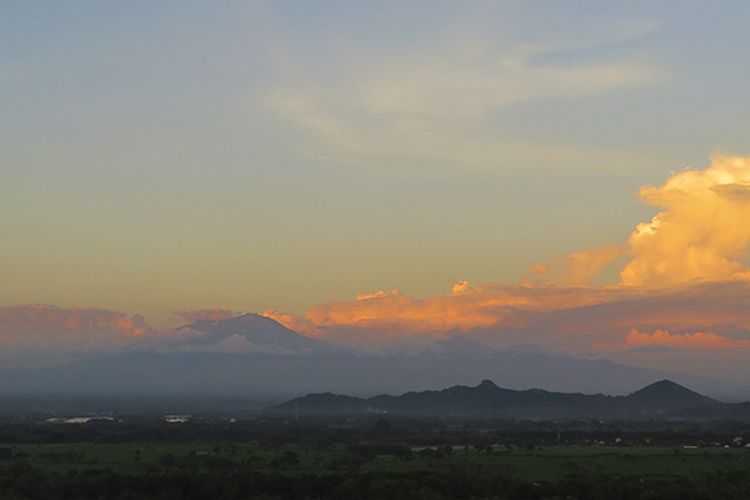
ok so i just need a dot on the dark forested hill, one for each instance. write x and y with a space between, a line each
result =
664 398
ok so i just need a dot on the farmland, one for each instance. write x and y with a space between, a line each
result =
148 458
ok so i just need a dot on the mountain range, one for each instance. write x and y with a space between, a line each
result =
251 356
662 399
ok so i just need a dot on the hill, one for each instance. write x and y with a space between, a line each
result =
661 399
666 394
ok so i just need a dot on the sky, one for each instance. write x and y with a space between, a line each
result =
397 167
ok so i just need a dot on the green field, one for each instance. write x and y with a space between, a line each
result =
549 463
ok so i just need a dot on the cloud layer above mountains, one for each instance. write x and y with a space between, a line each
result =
684 271
683 284
44 326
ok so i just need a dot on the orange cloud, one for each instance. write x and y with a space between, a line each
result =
398 313
685 272
702 232
699 237
299 325
564 318
697 340
466 308
44 326
578 267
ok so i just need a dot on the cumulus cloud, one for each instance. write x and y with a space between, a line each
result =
683 270
684 285
701 233
42 326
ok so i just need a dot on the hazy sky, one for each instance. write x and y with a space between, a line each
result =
167 156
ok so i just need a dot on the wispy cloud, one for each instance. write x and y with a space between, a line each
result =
442 103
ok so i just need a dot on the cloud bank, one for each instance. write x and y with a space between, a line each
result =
684 285
57 331
697 340
683 270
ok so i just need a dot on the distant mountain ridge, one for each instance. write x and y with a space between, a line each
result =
660 399
252 356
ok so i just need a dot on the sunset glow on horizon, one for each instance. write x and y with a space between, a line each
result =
377 176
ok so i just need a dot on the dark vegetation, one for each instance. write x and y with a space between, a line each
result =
371 457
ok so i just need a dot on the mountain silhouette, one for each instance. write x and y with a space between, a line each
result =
664 398
667 394
249 332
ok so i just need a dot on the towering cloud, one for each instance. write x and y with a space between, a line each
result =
702 232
